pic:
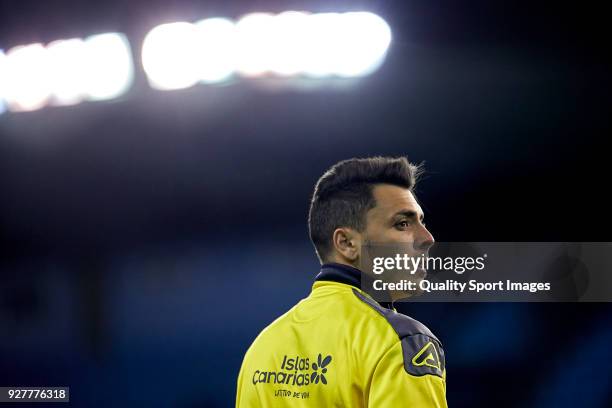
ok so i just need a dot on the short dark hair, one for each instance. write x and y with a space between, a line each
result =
343 195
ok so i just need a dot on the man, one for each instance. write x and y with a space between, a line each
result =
339 347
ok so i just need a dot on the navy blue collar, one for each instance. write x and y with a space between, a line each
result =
337 272
341 273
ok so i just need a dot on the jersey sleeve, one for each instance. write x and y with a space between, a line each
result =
411 373
239 388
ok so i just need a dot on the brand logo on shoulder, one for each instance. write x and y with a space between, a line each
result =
297 371
427 356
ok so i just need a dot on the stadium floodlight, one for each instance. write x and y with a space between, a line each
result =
346 44
66 72
255 44
363 43
292 41
26 84
179 55
323 51
216 42
109 69
2 76
170 56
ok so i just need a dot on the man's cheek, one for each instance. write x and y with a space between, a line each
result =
401 236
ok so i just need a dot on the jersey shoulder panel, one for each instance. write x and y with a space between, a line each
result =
403 325
422 350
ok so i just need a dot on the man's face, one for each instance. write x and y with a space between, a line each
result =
397 218
394 227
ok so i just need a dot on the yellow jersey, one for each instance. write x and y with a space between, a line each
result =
338 347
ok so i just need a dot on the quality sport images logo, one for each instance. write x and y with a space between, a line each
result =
297 371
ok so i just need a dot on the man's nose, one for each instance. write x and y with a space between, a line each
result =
425 240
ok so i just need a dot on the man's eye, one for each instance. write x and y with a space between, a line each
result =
402 224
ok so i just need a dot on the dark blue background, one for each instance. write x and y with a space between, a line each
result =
145 242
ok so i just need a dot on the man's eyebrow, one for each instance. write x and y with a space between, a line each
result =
409 214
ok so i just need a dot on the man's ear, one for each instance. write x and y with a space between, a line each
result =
347 244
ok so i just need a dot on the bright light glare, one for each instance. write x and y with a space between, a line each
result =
109 70
170 56
364 39
2 78
323 50
256 40
179 55
215 49
26 85
346 45
291 43
66 72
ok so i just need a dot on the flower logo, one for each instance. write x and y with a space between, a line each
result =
320 364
